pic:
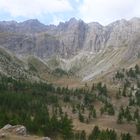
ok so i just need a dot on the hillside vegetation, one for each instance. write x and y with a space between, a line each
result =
86 113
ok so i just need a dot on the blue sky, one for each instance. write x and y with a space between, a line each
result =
55 11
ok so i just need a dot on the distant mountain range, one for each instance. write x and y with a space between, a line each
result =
84 49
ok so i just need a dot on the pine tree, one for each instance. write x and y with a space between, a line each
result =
120 118
73 109
66 127
128 115
94 134
131 101
81 117
137 70
124 91
138 127
83 135
118 94
94 113
102 110
136 114
93 87
104 90
126 136
110 110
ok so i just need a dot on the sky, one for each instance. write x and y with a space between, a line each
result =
55 11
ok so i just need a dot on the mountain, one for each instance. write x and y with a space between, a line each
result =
76 80
83 48
10 65
27 27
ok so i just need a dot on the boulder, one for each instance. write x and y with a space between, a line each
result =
21 130
16 129
46 138
7 127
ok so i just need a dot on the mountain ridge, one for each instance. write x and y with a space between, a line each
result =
77 46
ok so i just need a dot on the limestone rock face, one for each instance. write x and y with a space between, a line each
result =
70 38
94 37
29 26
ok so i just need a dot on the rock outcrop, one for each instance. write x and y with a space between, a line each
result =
17 129
18 132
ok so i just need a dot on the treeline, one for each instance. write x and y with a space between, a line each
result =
131 73
98 134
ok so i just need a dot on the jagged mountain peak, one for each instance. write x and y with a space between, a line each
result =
73 19
32 22
135 19
8 22
69 24
94 24
32 26
118 23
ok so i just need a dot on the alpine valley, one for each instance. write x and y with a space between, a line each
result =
73 81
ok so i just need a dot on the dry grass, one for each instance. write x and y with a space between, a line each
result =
10 136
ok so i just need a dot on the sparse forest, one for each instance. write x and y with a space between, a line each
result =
49 110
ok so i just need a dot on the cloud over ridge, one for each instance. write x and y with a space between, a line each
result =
54 11
32 8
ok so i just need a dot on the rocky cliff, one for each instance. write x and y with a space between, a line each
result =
78 45
67 39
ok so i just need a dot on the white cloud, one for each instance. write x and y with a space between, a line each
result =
103 11
77 0
33 8
106 11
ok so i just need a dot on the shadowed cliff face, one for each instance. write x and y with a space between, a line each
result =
68 39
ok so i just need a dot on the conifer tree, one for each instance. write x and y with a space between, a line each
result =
138 127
